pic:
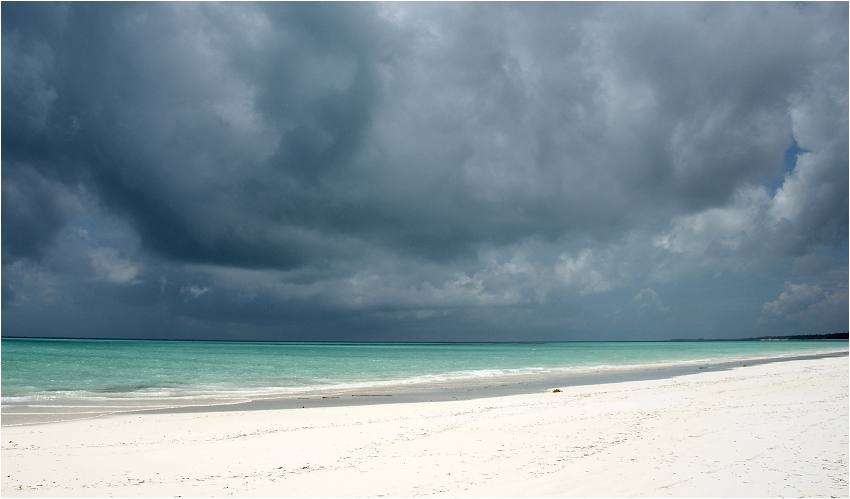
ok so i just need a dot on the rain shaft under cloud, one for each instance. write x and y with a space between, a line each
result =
424 171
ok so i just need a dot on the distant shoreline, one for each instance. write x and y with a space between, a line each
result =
796 337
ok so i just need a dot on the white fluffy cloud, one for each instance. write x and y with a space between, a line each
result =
108 265
806 304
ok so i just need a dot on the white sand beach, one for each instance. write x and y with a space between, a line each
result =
778 430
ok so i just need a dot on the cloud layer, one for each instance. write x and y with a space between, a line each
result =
424 171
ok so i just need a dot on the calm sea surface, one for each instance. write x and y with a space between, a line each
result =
52 371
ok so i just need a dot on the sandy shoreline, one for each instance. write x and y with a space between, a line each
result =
772 429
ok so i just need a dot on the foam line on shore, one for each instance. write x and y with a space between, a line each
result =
432 391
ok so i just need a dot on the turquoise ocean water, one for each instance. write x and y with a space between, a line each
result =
87 371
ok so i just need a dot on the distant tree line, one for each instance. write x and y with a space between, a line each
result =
798 337
834 336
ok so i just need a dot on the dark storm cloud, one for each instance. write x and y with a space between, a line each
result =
255 165
34 212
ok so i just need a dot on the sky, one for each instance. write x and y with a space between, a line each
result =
424 171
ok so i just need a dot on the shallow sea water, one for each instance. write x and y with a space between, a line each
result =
42 378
